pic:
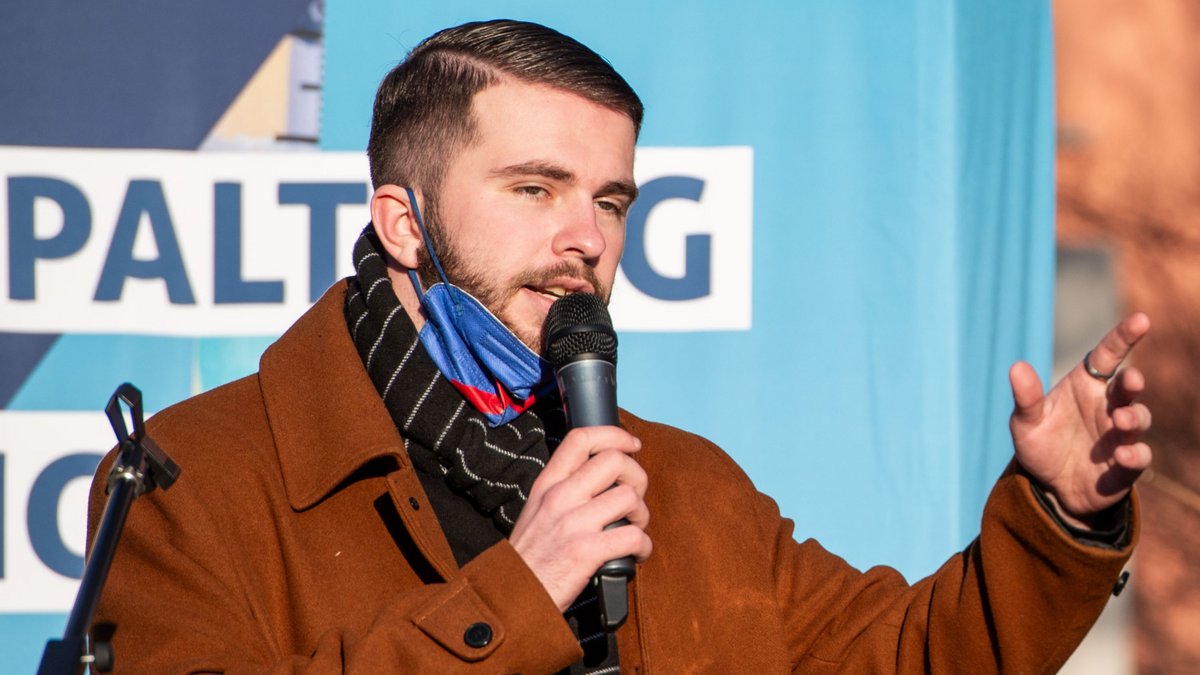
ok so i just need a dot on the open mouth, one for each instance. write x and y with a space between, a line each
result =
554 291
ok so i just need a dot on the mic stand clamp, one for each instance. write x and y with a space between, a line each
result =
140 467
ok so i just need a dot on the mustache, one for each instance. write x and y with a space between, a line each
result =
565 268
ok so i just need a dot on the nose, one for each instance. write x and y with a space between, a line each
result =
579 235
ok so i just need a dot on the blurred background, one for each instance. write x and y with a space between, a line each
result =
898 200
1129 238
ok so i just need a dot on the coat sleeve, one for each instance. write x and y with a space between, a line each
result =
176 602
1018 600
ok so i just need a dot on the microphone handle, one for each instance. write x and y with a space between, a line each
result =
589 390
612 587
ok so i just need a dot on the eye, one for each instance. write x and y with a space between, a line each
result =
611 207
533 191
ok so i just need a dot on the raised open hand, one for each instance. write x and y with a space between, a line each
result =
1081 440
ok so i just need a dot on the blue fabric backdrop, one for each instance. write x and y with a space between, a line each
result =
903 238
902 230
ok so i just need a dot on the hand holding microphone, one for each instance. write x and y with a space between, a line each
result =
582 346
585 517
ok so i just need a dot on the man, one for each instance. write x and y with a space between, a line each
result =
393 490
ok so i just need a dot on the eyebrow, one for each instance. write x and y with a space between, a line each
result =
544 169
619 187
558 173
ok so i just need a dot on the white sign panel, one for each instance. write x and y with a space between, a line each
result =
215 243
47 460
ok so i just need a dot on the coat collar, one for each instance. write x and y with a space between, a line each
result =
325 414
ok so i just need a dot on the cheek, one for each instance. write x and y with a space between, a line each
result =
614 247
616 241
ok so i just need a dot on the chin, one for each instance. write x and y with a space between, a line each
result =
531 341
531 336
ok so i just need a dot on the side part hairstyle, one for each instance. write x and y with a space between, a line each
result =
422 114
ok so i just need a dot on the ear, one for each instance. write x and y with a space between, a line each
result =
395 225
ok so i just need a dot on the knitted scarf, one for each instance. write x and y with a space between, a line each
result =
494 467
445 435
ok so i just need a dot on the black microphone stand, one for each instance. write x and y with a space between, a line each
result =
140 467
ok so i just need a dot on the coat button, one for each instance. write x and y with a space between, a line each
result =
1120 585
478 635
416 505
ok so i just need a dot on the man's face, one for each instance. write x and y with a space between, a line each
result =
535 208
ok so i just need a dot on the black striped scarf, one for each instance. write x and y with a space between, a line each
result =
493 467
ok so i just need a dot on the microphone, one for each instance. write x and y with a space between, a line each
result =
582 347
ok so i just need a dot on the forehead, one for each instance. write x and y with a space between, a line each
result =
517 122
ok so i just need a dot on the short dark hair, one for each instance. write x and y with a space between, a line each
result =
422 115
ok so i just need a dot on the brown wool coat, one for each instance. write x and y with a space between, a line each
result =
298 539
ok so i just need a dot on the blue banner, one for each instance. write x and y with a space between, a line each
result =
845 237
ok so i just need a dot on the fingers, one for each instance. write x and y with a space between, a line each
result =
575 450
1027 391
608 471
1134 457
1133 419
1116 344
590 482
627 540
1125 388
620 501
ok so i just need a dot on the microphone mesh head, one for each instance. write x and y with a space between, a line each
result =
577 324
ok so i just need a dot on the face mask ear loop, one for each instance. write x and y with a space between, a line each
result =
437 264
416 284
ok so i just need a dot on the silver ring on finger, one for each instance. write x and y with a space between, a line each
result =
1091 370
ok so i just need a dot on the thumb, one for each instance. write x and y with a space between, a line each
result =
1027 392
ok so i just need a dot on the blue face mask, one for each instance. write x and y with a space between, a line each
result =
500 375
